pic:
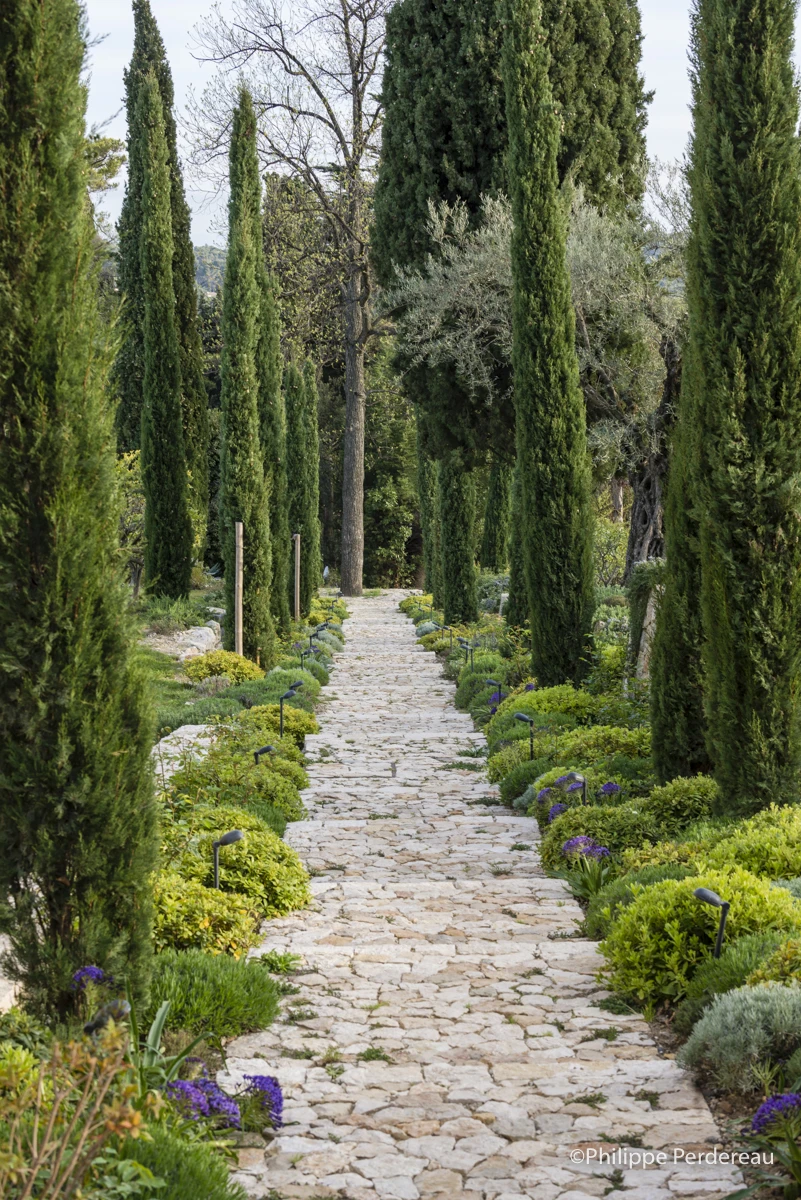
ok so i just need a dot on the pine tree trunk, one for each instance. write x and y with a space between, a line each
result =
648 479
355 417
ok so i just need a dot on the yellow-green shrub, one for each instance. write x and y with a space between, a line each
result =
586 746
264 721
222 662
617 828
657 942
189 916
663 854
766 844
563 698
783 965
682 801
226 778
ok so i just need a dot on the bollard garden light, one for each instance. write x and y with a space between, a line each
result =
227 839
286 696
264 750
530 722
709 897
576 779
494 683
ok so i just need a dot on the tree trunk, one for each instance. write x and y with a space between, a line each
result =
353 456
616 491
648 478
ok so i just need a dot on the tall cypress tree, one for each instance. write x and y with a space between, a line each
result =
243 493
168 528
551 430
77 814
744 303
303 478
428 493
516 610
457 515
272 429
495 539
149 55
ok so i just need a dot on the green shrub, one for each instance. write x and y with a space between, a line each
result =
191 1170
583 747
212 994
783 965
225 778
263 723
662 853
718 975
222 662
563 698
744 1030
606 905
518 779
616 828
261 866
657 943
473 682
682 801
310 665
793 886
189 916
766 844
511 756
200 713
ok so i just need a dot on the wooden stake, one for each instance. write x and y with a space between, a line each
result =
239 579
296 540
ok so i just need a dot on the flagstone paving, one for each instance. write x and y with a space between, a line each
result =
446 1040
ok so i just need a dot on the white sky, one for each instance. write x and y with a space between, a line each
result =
665 26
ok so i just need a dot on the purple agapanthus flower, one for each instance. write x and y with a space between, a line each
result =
555 810
495 698
774 1109
196 1098
584 847
543 794
530 687
493 709
86 975
575 787
562 780
610 789
268 1090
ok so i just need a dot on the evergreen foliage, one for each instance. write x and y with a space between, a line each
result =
272 429
516 609
168 529
495 539
744 297
77 817
149 55
428 492
457 501
303 477
551 431
243 493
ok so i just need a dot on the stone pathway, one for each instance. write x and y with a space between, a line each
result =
446 1040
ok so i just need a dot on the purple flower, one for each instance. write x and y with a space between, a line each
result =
196 1098
584 847
495 698
268 1090
774 1109
493 709
610 789
563 779
555 810
575 787
88 975
543 794
530 687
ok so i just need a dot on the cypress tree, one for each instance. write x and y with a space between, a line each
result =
516 609
272 431
551 431
149 55
303 480
744 304
168 528
243 494
428 493
457 514
77 813
494 553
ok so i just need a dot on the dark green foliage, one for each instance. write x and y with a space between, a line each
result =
272 429
604 905
494 553
718 975
212 993
149 55
744 303
77 817
518 779
551 431
645 578
428 491
516 607
243 494
190 1169
303 478
168 528
457 505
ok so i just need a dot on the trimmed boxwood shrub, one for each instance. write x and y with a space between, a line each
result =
222 662
660 939
616 828
212 993
607 903
742 1030
518 779
261 723
190 1169
715 976
226 778
188 915
767 844
311 665
678 803
783 965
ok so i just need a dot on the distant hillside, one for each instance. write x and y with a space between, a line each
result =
209 267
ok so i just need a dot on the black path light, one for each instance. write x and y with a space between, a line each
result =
446 629
709 897
530 722
264 750
227 839
286 696
494 683
574 778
